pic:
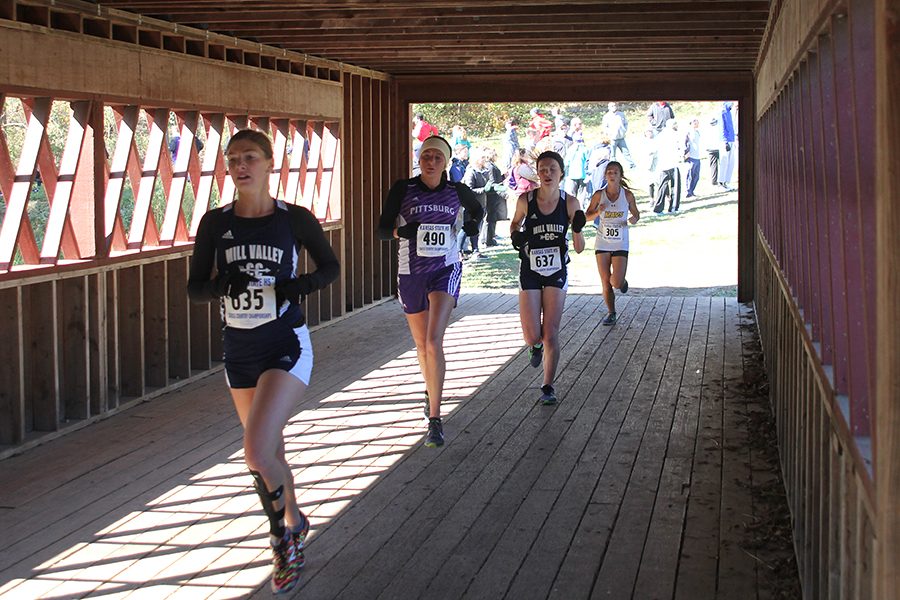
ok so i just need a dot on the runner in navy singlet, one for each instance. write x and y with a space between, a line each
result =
245 256
545 215
425 213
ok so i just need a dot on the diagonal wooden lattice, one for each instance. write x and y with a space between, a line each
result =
124 184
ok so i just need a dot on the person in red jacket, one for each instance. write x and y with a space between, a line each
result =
541 124
421 131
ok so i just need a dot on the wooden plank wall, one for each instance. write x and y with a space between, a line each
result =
369 264
828 484
101 320
817 253
887 428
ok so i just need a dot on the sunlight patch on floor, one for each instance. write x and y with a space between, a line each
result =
206 536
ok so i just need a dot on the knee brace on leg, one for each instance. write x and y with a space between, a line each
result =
268 499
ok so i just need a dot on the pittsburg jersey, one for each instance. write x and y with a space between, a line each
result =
547 243
612 234
439 213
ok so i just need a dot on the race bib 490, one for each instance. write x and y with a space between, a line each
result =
434 240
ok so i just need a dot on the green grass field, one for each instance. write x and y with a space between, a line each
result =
692 252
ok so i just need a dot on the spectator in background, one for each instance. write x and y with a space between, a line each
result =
711 141
459 163
692 156
540 125
670 151
727 146
421 131
511 141
652 145
596 166
615 126
658 114
561 138
175 141
476 178
522 176
458 137
496 197
576 162
558 118
576 129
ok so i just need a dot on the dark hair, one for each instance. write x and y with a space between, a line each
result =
420 116
552 155
625 183
252 135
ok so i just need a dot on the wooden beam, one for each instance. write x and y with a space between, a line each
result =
887 224
679 85
415 13
50 60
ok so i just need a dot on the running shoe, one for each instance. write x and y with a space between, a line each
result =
299 534
624 287
299 538
287 561
435 435
610 319
548 395
536 355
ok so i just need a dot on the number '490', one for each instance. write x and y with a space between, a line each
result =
435 238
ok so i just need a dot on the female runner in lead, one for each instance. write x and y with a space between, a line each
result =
245 256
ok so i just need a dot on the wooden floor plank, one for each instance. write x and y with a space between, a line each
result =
700 546
659 561
636 481
379 570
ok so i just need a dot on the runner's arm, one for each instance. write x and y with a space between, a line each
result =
309 233
632 208
470 202
387 222
200 284
595 206
573 206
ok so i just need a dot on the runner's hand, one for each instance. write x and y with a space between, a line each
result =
519 239
232 283
578 221
408 231
295 290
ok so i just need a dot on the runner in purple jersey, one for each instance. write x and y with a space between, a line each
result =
425 214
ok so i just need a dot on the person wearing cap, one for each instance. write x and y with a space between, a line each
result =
425 213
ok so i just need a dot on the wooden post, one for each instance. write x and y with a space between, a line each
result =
887 224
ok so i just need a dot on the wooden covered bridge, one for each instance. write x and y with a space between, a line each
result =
120 464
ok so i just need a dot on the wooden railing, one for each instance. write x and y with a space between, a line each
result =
93 282
99 206
816 265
